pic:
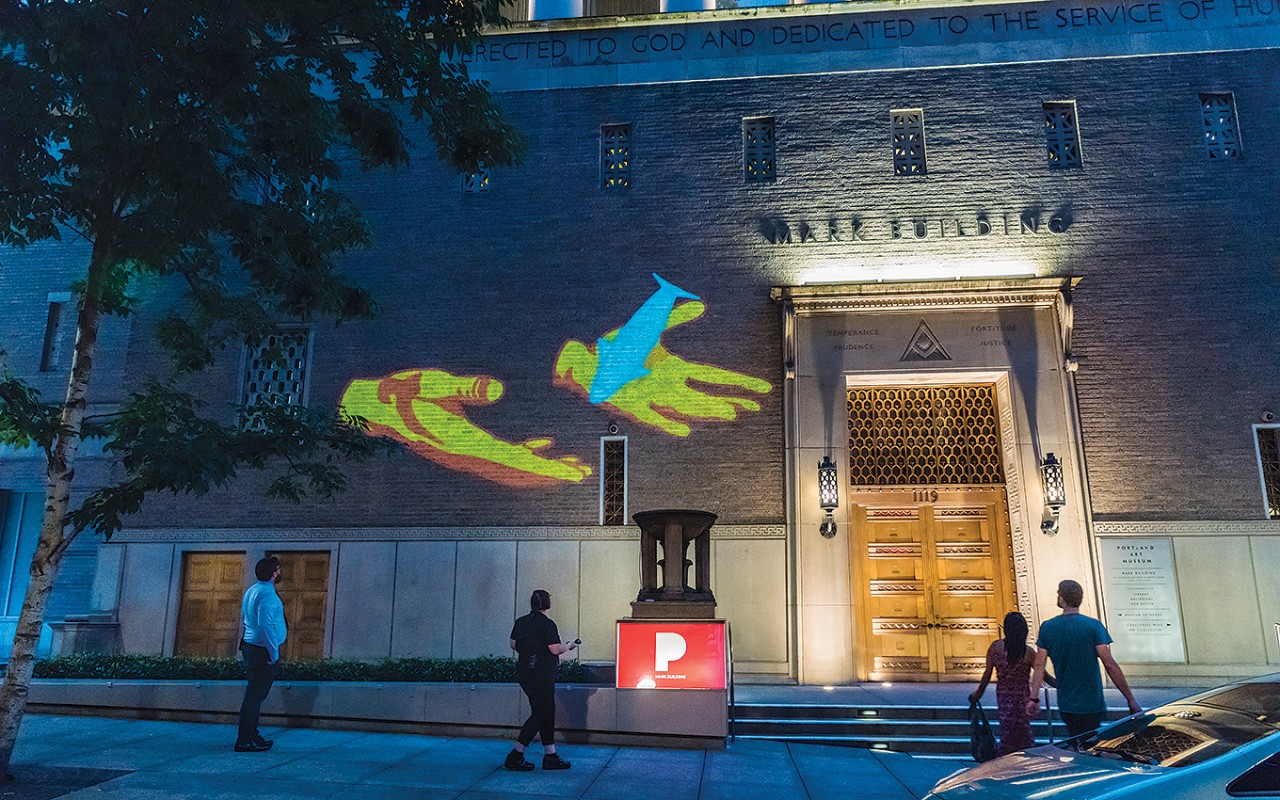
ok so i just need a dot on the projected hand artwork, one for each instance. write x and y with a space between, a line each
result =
627 369
425 409
631 371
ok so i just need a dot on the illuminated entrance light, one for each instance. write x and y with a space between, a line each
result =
848 271
1055 492
828 494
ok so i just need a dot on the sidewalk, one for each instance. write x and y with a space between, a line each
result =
93 757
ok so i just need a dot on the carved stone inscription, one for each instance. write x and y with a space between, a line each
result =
846 339
1024 23
924 344
994 335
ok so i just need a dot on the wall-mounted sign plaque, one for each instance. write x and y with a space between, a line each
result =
1141 593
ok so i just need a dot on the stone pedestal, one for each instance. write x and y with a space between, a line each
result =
675 597
85 633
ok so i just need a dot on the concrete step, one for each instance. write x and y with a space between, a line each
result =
871 727
948 745
777 711
838 711
934 730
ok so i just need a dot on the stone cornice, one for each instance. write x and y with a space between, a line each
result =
533 533
1189 528
826 298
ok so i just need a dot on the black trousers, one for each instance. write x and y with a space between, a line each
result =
1081 723
261 676
541 692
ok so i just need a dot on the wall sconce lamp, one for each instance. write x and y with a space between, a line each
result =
828 494
1055 492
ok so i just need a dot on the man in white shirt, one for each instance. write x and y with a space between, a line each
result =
264 632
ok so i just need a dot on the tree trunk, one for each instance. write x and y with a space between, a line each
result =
54 537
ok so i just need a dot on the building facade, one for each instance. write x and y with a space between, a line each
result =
1011 268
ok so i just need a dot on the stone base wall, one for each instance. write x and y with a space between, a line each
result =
600 714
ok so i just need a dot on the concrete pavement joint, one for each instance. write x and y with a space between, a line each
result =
803 785
880 760
481 780
600 774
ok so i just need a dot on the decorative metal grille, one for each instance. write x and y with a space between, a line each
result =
613 481
620 8
1221 138
924 435
51 355
275 374
1062 135
908 142
1269 453
884 664
476 182
759 149
1158 743
310 193
615 157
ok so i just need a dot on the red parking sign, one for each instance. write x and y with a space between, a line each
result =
654 654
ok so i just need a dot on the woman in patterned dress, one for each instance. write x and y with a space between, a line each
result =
1012 659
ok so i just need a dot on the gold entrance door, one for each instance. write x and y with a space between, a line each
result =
304 589
935 578
931 554
209 608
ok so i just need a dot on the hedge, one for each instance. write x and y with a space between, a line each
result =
129 666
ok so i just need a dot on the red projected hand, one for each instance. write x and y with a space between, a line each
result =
425 409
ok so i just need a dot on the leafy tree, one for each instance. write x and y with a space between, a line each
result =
198 145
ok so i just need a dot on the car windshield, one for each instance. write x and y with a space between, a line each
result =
1194 730
1260 700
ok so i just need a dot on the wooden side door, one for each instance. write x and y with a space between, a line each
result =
209 608
304 589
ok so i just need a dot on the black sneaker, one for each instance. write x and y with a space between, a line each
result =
516 762
266 742
553 761
253 747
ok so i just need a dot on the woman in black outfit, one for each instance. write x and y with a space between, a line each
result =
538 649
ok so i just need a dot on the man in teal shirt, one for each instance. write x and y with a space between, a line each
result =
1076 643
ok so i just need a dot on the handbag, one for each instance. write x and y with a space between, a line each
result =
982 741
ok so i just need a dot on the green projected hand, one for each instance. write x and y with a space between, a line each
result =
424 408
664 397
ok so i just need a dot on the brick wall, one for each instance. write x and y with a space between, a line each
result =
1175 317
